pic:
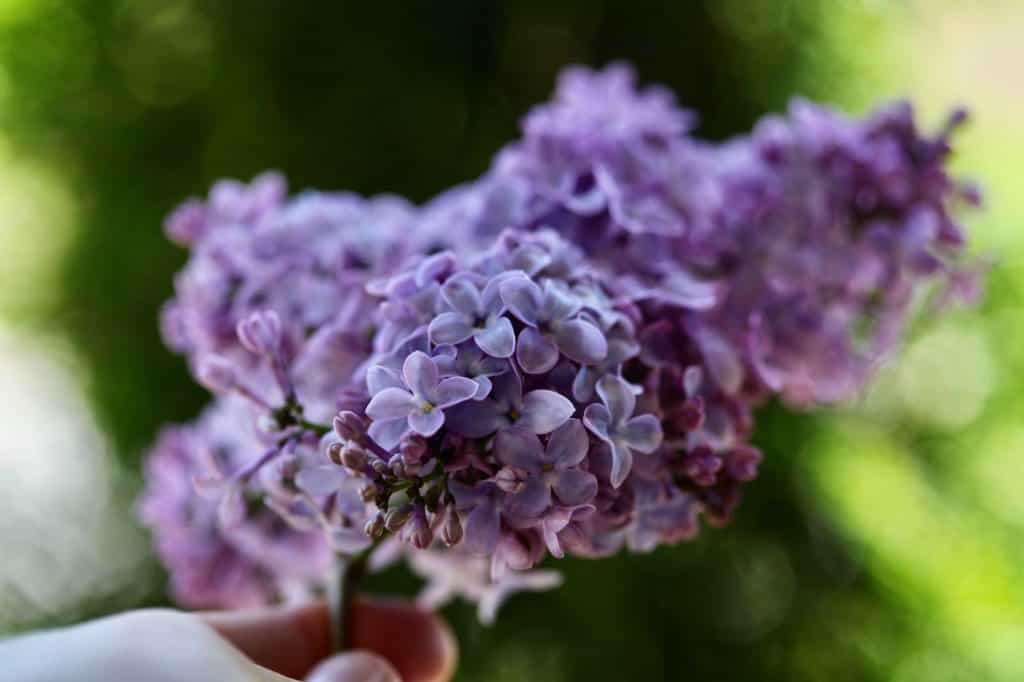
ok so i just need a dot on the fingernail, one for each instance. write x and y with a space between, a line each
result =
354 666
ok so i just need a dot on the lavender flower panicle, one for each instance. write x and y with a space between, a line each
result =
561 357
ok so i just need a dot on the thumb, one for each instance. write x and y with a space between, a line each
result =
354 666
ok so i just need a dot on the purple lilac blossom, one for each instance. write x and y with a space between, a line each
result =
561 357
259 560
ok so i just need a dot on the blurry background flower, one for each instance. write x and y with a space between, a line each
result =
883 543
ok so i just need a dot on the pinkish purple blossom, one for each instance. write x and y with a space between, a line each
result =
563 357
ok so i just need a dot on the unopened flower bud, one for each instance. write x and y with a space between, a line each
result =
412 448
690 415
702 466
742 463
374 526
379 465
187 223
396 518
353 456
260 332
451 532
418 532
349 426
510 479
334 453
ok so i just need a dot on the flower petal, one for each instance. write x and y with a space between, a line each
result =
231 510
389 432
721 358
349 540
530 258
567 445
420 375
390 403
544 411
453 391
449 328
535 352
428 423
519 447
378 378
497 338
434 267
558 302
462 295
483 386
491 298
584 383
320 480
618 397
468 496
523 298
475 419
481 529
622 462
643 433
550 533
581 341
575 487
598 420
529 502
444 357
490 367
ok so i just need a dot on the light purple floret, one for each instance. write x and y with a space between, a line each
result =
614 423
418 403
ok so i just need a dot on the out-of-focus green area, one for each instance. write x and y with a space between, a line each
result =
885 542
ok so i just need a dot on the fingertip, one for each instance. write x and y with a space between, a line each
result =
415 640
354 666
292 640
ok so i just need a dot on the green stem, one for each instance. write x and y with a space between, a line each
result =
318 429
348 573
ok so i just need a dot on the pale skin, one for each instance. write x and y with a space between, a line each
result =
392 641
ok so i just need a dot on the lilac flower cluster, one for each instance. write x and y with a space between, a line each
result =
562 357
250 559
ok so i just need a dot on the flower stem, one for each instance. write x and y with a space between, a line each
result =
348 573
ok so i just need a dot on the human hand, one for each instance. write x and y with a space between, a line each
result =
392 641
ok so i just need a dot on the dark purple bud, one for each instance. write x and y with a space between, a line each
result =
412 448
260 332
418 532
702 466
690 415
742 463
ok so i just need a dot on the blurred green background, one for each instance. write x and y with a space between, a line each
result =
881 542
